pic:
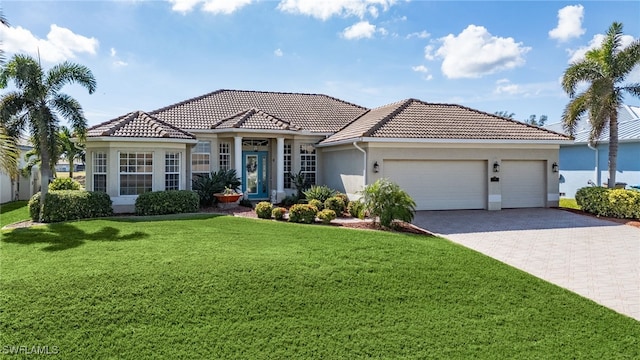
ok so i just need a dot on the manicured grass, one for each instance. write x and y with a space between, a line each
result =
569 203
202 286
12 212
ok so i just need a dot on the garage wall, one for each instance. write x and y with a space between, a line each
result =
343 169
388 156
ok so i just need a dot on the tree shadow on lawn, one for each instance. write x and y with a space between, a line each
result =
65 236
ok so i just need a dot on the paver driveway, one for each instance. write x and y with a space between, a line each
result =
595 258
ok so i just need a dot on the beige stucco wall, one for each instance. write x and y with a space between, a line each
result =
345 161
125 203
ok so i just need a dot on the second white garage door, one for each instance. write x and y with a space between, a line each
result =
523 184
441 185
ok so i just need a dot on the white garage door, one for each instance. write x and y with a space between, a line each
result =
441 185
523 184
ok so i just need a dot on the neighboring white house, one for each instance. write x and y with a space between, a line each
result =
23 187
445 156
584 164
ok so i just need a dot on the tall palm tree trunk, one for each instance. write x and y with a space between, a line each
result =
45 173
613 148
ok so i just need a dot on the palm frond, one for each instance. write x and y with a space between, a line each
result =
9 153
70 73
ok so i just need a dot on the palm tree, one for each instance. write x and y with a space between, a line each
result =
8 144
69 150
604 69
38 104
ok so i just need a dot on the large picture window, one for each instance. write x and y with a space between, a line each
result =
224 156
100 171
136 173
287 166
308 162
172 171
201 159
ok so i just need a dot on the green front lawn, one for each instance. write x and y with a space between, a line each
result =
219 287
569 203
12 212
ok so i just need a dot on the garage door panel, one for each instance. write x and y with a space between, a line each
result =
441 185
523 184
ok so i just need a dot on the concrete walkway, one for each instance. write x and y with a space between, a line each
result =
595 258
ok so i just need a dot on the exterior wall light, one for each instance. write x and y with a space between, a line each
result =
554 167
496 167
376 167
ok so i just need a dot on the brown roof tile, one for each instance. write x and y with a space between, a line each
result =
417 119
312 112
254 119
140 125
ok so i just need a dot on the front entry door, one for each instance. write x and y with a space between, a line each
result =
254 176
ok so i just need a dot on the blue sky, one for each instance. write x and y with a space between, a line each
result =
492 56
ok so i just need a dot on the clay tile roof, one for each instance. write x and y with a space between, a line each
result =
312 112
254 119
413 118
140 125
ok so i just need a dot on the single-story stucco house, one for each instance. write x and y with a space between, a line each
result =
23 187
584 164
445 156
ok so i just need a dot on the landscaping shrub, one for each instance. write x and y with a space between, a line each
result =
263 210
336 204
246 203
317 203
208 184
64 184
388 202
300 183
289 200
326 215
278 213
344 197
302 213
62 205
167 202
619 203
319 192
356 209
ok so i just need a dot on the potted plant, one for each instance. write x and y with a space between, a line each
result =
228 196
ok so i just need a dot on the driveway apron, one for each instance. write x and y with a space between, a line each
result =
595 258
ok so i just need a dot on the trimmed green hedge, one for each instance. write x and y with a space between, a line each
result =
167 202
618 203
263 210
62 205
64 184
303 213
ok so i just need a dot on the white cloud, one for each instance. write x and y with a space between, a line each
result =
278 52
579 53
428 52
475 52
61 43
424 70
569 23
116 60
213 6
359 31
420 35
504 86
323 10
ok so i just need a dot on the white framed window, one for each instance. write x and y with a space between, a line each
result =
136 172
308 162
172 171
99 171
201 159
224 155
287 166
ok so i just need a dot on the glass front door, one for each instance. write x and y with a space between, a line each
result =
255 181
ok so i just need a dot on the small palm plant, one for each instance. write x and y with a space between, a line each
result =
387 202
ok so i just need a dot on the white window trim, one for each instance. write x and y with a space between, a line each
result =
177 156
137 173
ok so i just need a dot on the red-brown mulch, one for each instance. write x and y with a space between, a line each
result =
630 222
